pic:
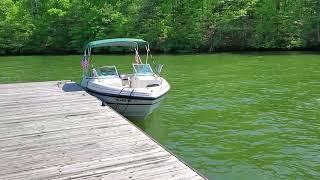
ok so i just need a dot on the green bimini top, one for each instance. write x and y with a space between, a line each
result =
125 42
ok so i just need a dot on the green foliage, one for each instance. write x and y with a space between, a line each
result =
16 27
228 23
64 26
151 22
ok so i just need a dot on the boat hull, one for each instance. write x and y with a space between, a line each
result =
130 107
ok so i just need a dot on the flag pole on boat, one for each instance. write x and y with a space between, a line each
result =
148 50
137 58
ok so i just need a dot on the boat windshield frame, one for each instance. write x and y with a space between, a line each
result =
97 73
146 70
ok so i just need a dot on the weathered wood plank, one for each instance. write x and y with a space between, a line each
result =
52 130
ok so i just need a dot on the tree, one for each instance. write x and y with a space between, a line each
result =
184 26
64 26
92 20
228 23
151 22
16 27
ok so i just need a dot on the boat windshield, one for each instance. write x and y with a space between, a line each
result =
106 71
143 69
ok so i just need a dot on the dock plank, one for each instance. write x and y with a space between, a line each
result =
55 130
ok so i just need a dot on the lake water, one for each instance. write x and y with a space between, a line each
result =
240 116
230 116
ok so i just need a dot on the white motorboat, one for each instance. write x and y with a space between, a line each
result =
135 95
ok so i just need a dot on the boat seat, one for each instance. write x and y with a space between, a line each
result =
143 81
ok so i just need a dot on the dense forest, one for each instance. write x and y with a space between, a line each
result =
64 26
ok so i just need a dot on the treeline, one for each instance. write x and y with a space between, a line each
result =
64 26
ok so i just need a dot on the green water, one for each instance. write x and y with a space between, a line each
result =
243 116
230 116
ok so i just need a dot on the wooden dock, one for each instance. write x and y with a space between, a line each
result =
53 130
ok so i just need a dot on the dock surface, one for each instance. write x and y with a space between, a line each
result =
53 130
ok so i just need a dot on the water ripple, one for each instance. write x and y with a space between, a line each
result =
243 117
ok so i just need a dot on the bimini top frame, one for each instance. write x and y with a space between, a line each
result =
122 42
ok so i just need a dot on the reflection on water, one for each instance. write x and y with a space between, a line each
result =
242 116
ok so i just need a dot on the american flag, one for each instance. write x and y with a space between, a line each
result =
85 63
